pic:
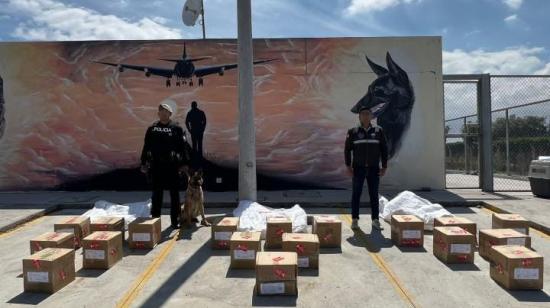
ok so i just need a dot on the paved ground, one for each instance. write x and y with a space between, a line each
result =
368 271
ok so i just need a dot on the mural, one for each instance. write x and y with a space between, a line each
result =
73 114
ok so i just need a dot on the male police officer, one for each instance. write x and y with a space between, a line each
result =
367 143
165 156
196 124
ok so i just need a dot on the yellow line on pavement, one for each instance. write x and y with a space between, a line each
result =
140 282
29 223
385 268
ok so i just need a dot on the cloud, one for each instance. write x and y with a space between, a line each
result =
511 19
53 20
517 60
513 4
367 6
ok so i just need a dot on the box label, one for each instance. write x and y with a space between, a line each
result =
222 236
521 230
516 241
38 277
408 234
526 273
272 288
244 254
303 262
141 237
461 248
94 254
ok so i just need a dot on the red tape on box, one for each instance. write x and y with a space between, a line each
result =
242 247
300 249
281 274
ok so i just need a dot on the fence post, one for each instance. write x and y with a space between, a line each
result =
465 147
507 144
485 133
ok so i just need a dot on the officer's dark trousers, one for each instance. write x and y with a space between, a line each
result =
196 139
373 180
165 177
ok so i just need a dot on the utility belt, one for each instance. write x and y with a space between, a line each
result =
165 159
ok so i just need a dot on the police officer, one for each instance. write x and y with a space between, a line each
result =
366 143
165 157
196 124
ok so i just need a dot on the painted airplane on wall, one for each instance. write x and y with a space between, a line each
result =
184 70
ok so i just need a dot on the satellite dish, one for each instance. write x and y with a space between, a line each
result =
191 11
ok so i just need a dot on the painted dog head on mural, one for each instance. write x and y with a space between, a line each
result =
390 97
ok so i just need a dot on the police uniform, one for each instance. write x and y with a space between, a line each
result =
165 152
365 149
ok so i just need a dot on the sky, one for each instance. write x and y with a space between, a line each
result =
479 36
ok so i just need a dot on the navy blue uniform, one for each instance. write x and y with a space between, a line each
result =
365 149
164 152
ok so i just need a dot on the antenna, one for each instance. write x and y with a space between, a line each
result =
191 11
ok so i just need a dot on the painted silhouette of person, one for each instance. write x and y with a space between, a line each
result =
196 124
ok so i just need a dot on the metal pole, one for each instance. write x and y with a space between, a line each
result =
203 26
486 142
465 147
507 145
247 132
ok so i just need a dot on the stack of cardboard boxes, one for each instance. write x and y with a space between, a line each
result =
306 246
77 225
407 230
276 273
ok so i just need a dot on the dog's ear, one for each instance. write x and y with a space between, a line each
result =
396 72
377 69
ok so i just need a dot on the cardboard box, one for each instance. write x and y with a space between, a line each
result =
287 288
329 230
276 273
407 230
276 226
78 225
102 249
453 245
52 240
107 224
222 232
48 270
305 245
243 247
456 221
144 233
511 221
499 237
517 268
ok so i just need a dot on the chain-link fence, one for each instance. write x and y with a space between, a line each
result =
520 127
461 127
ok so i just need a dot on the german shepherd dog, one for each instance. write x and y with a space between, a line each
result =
390 97
194 201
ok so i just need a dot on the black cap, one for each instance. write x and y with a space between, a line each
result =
363 108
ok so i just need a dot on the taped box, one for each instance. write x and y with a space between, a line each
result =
499 237
453 245
276 273
77 225
517 268
52 240
106 223
511 221
144 233
305 245
456 221
276 226
243 249
222 232
407 230
329 230
48 270
102 249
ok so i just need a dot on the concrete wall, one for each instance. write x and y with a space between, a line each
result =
68 118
